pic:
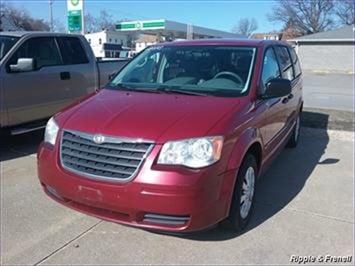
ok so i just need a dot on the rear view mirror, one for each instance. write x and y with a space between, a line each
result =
23 65
276 88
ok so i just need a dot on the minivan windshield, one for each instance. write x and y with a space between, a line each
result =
6 43
196 70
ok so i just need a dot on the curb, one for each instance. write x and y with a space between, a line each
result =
324 72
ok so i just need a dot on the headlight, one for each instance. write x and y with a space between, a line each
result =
194 153
51 132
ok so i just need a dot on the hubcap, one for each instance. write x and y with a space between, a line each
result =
297 128
246 198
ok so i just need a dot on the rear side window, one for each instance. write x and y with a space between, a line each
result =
285 62
296 62
270 67
72 51
42 49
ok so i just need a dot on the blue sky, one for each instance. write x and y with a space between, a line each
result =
220 15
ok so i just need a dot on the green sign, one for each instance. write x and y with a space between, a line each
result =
74 20
141 25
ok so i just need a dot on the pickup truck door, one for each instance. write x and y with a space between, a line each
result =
81 66
36 94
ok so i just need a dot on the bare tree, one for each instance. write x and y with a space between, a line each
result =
16 19
245 26
2 16
305 16
58 26
90 23
345 11
103 21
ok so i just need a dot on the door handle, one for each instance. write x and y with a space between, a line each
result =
290 96
285 100
64 75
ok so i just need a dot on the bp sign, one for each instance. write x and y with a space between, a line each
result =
141 25
75 5
74 2
75 15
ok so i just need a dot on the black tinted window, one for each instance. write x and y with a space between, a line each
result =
6 43
285 62
72 50
270 67
296 62
42 49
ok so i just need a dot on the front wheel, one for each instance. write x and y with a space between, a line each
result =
243 196
292 143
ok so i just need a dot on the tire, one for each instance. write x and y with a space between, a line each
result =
240 213
293 141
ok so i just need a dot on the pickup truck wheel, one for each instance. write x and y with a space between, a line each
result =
243 196
292 143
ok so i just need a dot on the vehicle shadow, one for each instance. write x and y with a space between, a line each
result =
12 147
283 180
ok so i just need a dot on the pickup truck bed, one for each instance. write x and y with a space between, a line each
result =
108 68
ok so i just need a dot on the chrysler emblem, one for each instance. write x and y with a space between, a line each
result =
98 139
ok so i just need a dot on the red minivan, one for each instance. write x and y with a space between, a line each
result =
178 138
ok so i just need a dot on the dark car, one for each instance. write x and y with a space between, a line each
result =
177 140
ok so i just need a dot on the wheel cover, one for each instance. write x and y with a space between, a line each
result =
248 187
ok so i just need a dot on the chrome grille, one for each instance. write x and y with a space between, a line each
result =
115 159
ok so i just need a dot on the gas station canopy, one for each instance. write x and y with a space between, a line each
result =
174 29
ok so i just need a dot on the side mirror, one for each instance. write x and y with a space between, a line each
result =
276 88
111 76
23 65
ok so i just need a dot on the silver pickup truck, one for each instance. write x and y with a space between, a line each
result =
42 73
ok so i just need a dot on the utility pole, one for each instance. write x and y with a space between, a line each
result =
51 13
189 32
82 20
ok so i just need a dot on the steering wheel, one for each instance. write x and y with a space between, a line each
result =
234 76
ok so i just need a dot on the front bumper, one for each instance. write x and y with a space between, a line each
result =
162 198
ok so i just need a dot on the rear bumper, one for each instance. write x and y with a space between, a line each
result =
158 198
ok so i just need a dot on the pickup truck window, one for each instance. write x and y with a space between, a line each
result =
42 49
285 62
6 43
72 51
211 70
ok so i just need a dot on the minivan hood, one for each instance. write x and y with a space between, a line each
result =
149 116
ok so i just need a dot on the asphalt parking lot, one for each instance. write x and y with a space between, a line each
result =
328 90
304 206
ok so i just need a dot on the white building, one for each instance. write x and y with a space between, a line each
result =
144 41
107 44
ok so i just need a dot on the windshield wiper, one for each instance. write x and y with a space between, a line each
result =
122 86
161 89
167 89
